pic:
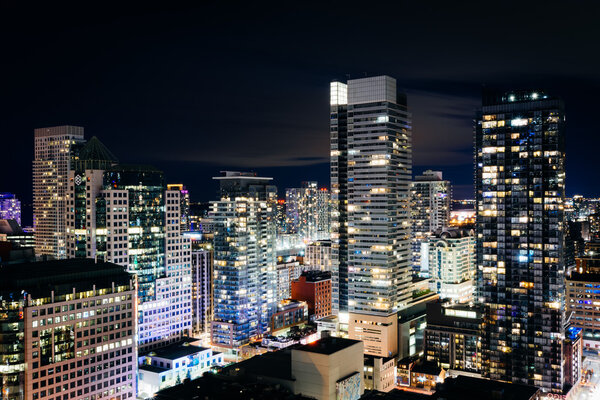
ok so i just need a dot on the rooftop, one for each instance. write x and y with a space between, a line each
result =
95 150
240 175
579 277
426 367
395 394
288 304
11 227
463 387
134 168
152 368
177 350
453 233
276 364
213 387
61 276
370 360
316 275
328 345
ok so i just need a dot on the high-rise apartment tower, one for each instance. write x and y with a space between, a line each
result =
430 209
520 185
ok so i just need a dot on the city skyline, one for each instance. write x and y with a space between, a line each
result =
134 97
181 219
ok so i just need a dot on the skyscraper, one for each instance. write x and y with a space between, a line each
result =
245 279
520 183
202 290
430 209
323 214
53 157
371 167
185 207
307 211
125 215
10 207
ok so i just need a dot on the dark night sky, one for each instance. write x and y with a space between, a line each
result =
222 86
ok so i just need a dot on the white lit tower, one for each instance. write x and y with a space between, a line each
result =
54 152
371 168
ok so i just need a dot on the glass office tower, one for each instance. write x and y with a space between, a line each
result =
146 198
520 184
123 214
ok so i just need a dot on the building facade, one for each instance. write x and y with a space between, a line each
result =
54 151
124 214
10 207
314 287
68 330
307 211
10 231
318 255
288 313
172 365
184 206
288 269
431 198
245 279
519 182
453 336
202 290
371 168
583 306
450 257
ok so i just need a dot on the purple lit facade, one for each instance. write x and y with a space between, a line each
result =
10 207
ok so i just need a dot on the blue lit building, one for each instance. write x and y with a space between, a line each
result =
244 258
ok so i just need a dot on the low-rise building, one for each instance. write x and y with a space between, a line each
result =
453 336
289 313
171 365
403 370
11 231
314 287
328 326
426 375
328 369
380 373
412 323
